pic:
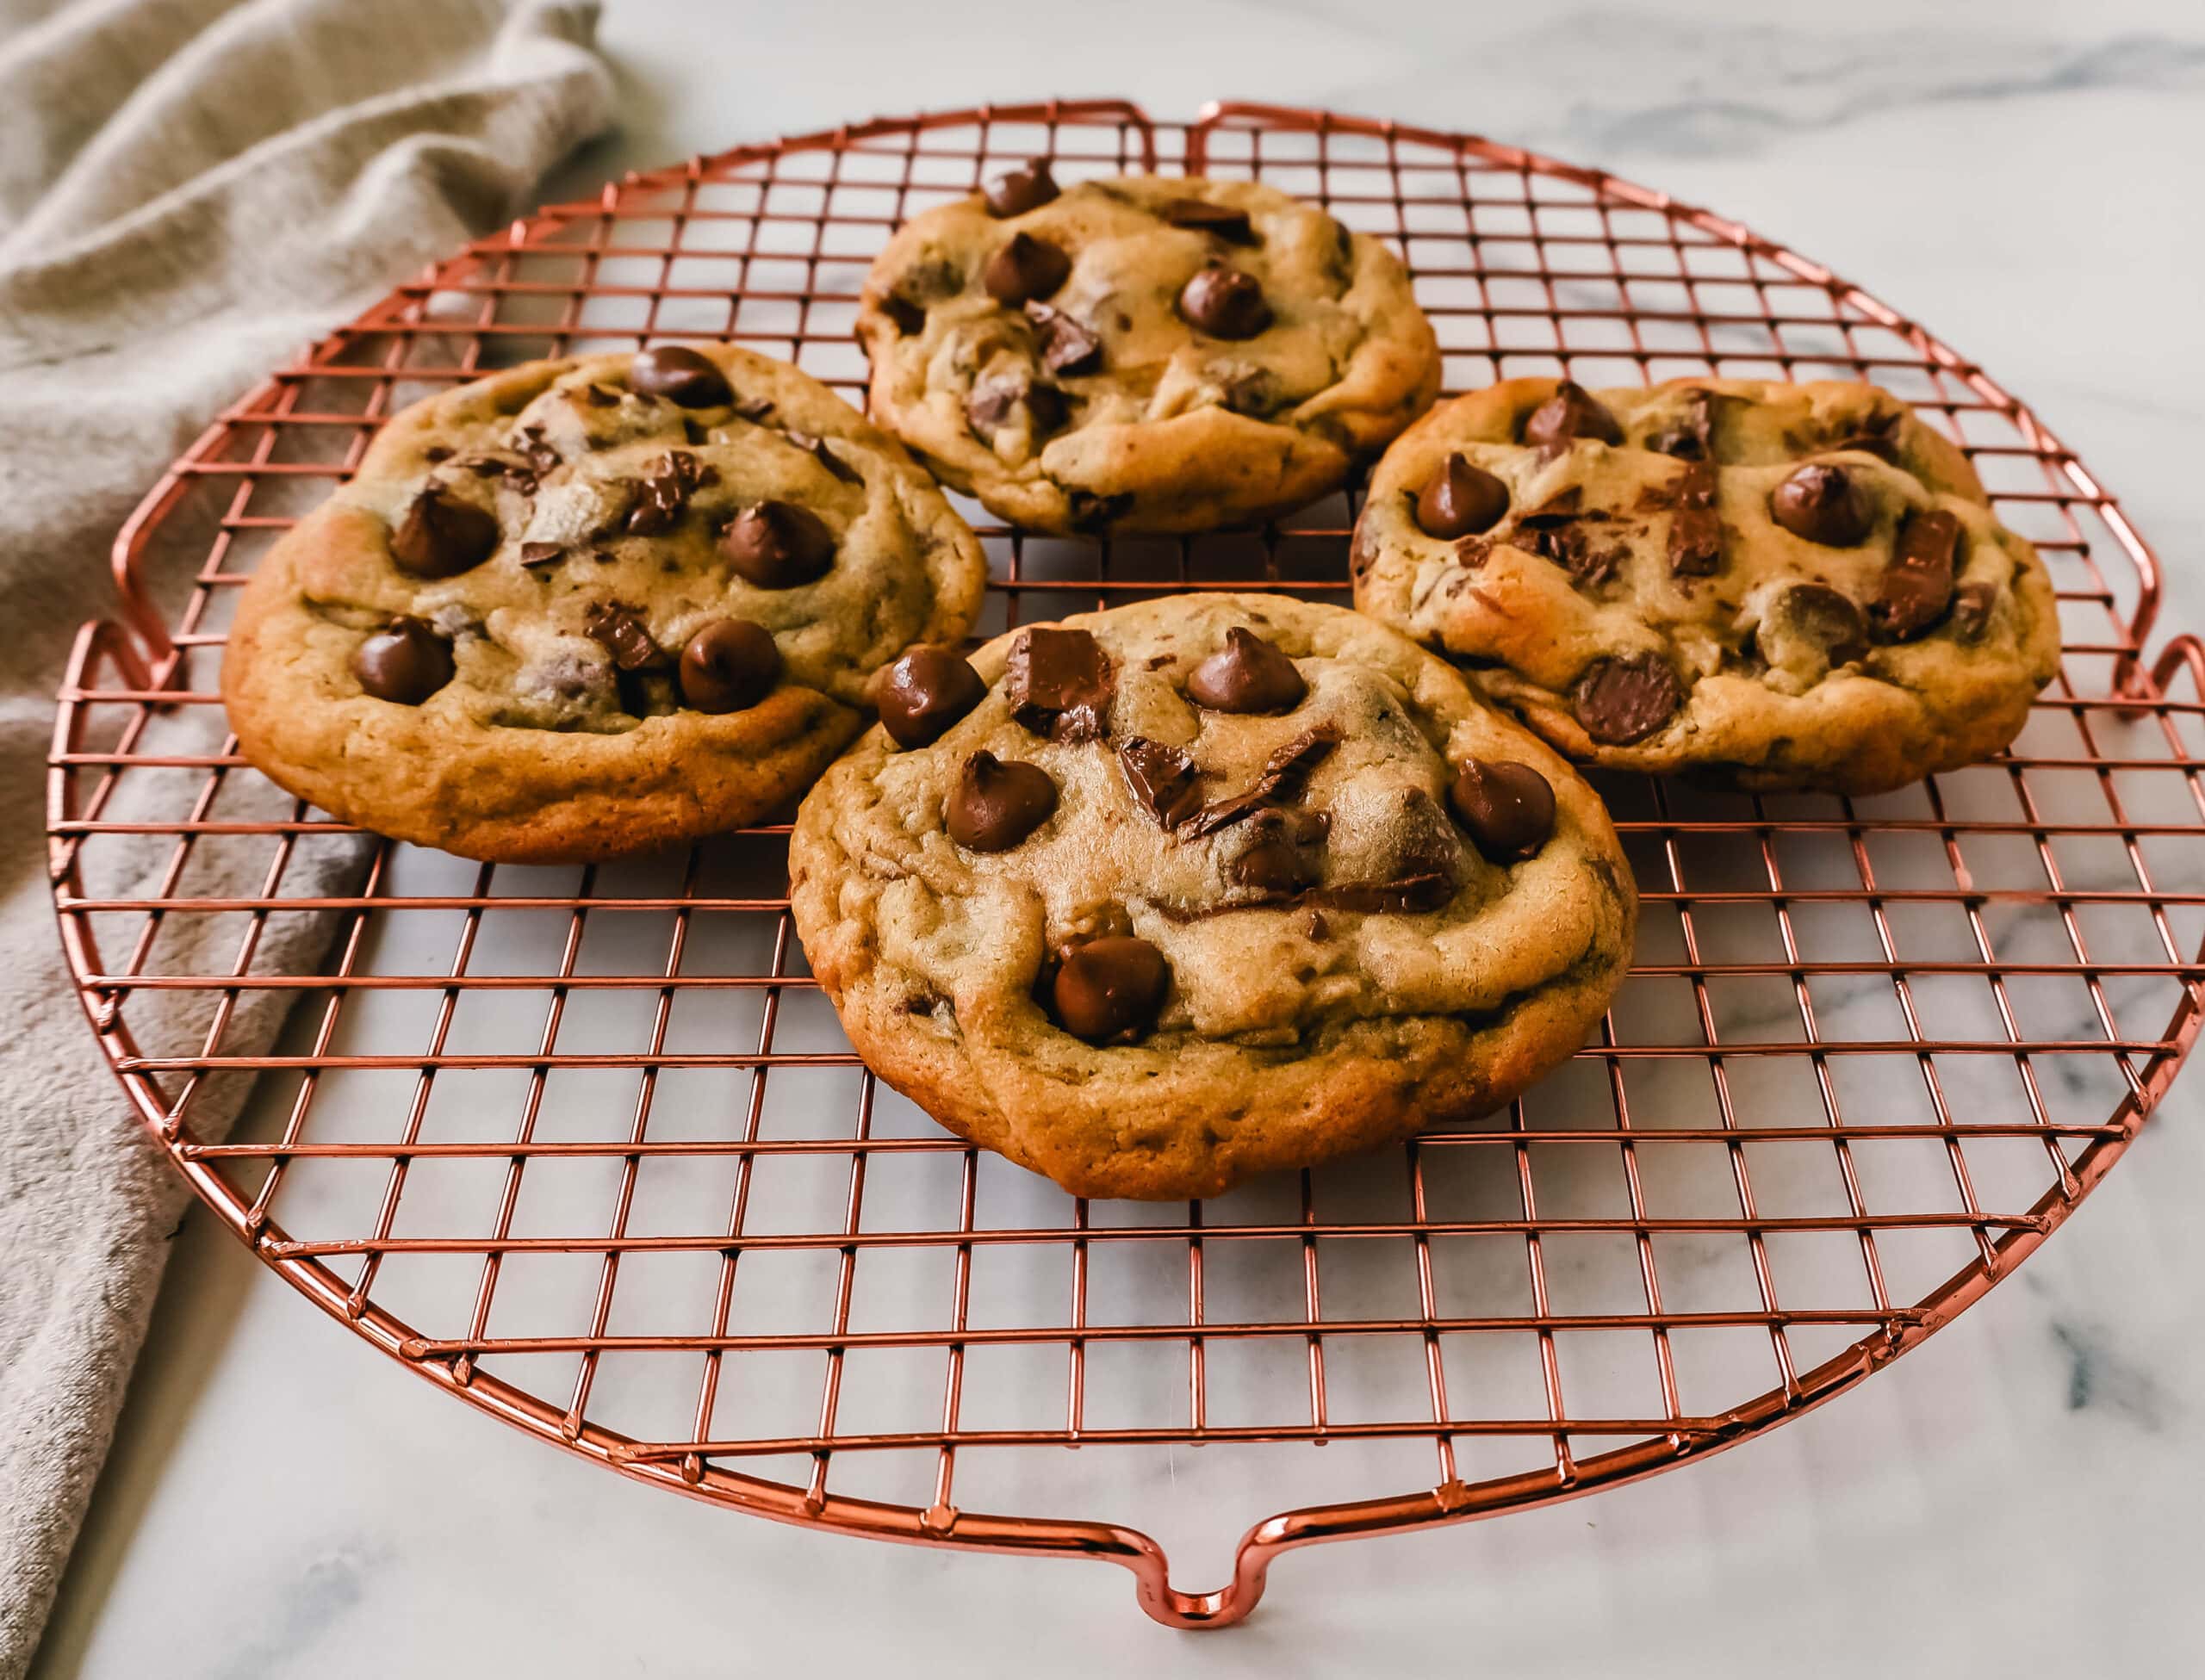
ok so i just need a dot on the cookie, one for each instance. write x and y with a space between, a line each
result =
1156 898
593 606
1142 354
1776 585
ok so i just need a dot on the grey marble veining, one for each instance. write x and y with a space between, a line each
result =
281 1501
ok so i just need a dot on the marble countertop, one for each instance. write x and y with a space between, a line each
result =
2023 176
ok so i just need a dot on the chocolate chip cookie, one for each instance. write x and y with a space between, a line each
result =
1780 586
1155 898
588 607
1142 354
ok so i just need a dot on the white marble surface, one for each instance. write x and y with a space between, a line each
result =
2024 178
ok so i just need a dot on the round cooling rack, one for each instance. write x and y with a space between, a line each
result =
586 1147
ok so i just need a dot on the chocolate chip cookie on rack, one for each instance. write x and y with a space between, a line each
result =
588 607
1142 354
1155 898
1778 585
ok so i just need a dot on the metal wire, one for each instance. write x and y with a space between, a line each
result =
584 1148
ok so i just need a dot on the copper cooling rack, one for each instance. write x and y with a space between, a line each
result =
584 1148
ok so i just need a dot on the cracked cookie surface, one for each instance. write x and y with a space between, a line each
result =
1160 897
588 607
1142 353
1780 586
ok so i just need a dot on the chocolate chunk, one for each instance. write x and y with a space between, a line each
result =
539 553
778 545
1696 527
1873 434
992 400
729 663
1507 807
1317 927
1284 777
1020 190
1163 779
1024 267
756 410
1690 435
438 452
1254 392
404 662
911 319
1220 221
1283 856
924 692
1620 701
994 805
1412 895
1971 607
1068 346
1461 500
1570 414
538 452
1060 683
668 481
695 432
1111 990
681 375
1809 628
1225 303
600 396
1577 548
617 629
1824 504
1248 674
442 537
1917 586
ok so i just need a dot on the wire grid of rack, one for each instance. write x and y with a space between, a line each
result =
585 1147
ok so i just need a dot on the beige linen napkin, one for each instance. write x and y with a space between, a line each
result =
189 191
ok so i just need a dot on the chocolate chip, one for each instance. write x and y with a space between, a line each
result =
911 319
1696 527
1282 854
1220 221
1092 512
1461 500
1620 701
778 545
617 629
994 805
992 400
822 452
1020 190
539 553
1225 303
404 662
600 396
438 452
1824 504
924 692
1507 808
1570 414
756 410
1917 586
1111 990
1068 346
1162 778
1284 777
1971 607
1060 683
1254 392
442 537
1248 674
1024 267
681 375
729 663
1809 628
668 481
1690 435
1317 927
539 454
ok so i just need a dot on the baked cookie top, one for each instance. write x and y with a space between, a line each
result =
1785 585
588 605
1160 896
1142 353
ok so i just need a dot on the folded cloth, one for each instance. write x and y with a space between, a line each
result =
189 190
